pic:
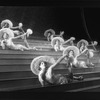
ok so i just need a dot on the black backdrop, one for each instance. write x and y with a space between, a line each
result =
59 18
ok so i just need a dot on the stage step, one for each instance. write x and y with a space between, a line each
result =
58 88
29 74
32 82
26 67
15 73
5 76
87 89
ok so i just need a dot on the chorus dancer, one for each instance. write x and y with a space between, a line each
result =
7 27
49 34
45 71
73 54
58 43
83 48
39 66
53 78
8 24
8 41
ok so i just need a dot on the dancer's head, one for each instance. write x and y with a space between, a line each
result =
82 44
71 53
42 65
6 24
5 36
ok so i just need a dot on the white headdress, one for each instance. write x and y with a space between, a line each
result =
71 48
82 41
7 31
49 31
29 31
7 21
36 63
59 39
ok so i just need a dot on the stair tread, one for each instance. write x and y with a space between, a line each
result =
85 88
39 86
35 76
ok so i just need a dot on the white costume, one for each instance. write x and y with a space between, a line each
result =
82 45
9 42
73 53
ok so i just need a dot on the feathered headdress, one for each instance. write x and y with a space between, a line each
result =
6 21
51 31
59 39
36 63
71 48
7 31
82 41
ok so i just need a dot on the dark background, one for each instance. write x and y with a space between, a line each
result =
60 18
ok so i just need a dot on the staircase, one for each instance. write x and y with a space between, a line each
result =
15 73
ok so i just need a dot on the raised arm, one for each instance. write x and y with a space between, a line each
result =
17 27
49 71
20 26
61 33
19 36
16 32
95 43
82 52
71 39
58 61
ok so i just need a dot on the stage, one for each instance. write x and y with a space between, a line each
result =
15 73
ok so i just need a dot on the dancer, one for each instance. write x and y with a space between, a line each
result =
39 66
49 34
46 73
83 48
58 43
8 24
42 63
8 41
73 54
58 78
6 27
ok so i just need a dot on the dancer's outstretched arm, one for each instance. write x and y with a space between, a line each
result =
17 27
59 60
61 33
95 43
19 36
71 39
16 32
82 52
49 71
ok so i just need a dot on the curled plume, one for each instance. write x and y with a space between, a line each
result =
53 41
20 24
29 31
6 21
35 64
49 31
71 48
